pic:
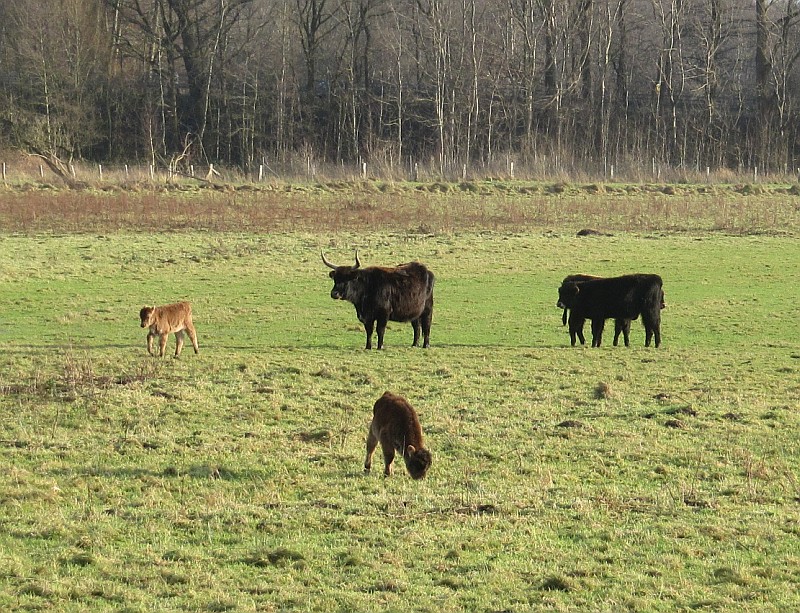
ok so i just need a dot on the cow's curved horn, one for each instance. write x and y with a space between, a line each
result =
358 264
326 262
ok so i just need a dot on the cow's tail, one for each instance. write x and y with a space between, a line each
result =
430 281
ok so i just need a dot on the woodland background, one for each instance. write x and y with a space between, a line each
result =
448 84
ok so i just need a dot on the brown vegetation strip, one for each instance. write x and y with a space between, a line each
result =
431 208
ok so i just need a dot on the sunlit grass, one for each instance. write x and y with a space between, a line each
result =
563 478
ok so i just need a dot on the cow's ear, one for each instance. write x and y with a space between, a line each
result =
411 450
331 273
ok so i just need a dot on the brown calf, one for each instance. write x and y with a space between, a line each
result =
395 426
163 320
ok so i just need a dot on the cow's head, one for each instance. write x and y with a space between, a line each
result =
418 461
567 294
342 277
146 315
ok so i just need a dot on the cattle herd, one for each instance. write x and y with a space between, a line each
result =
405 293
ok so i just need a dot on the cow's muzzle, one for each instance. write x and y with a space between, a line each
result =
336 295
561 305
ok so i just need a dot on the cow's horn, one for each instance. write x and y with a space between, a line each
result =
358 264
326 262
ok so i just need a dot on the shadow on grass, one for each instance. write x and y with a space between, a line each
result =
195 471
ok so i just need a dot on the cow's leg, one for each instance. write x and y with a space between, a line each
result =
597 331
372 443
150 336
369 326
425 321
622 326
178 343
381 328
652 331
193 337
415 325
162 344
576 329
388 458
652 327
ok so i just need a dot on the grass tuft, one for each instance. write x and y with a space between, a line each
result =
729 575
557 584
281 557
603 391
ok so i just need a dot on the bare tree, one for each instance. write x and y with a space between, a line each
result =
61 51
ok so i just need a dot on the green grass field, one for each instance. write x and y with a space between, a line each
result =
564 479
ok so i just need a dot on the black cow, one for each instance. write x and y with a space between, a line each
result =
383 294
621 326
624 297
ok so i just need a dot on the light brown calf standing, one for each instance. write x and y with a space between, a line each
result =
396 427
163 320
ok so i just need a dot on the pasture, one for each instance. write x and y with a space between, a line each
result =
563 479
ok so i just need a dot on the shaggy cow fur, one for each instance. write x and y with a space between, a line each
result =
396 427
624 297
164 320
382 294
621 326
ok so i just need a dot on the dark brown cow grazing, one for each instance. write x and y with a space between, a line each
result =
164 320
395 426
621 326
383 294
624 297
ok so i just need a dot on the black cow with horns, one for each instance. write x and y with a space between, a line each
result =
382 294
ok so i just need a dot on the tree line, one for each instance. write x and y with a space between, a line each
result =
449 83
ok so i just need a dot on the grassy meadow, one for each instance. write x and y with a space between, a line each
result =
563 479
